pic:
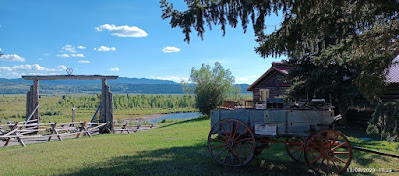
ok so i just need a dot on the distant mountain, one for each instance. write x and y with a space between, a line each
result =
121 85
120 80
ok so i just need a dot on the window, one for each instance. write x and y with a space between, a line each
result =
264 94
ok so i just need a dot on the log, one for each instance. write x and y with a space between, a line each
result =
111 111
27 104
57 77
35 98
73 115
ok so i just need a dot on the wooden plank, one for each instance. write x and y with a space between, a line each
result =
35 98
27 104
103 109
58 77
111 110
73 115
107 106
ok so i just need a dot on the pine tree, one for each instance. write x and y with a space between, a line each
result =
339 47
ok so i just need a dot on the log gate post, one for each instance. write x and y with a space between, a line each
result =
106 100
107 108
32 101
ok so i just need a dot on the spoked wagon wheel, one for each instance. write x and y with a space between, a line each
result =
231 143
328 151
295 147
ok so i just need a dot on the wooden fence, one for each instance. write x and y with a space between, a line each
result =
33 130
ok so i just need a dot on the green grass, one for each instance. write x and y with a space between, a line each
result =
178 148
12 108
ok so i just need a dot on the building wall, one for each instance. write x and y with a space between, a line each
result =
271 82
391 93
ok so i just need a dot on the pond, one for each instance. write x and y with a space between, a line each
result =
187 115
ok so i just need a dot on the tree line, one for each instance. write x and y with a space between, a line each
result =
143 101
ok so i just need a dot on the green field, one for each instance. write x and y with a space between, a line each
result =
58 108
178 148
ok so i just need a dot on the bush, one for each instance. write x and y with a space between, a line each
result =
212 86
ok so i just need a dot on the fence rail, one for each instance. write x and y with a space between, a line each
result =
31 130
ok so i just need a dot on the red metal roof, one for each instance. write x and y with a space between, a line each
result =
276 66
393 72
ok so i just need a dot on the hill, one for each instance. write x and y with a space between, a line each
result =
122 85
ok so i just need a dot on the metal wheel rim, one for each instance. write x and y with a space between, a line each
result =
328 151
233 144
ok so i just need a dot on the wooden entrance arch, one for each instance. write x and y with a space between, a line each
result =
106 103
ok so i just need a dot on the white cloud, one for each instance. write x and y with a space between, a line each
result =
61 68
63 55
1 49
114 69
177 79
246 79
170 49
84 61
34 67
68 48
12 57
14 74
18 75
40 59
105 48
81 47
70 55
77 55
46 54
123 31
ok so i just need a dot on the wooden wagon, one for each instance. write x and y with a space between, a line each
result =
238 135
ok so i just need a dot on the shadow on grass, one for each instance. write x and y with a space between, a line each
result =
196 160
192 160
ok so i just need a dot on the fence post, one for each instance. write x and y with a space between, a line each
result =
73 115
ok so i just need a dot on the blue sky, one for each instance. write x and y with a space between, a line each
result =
122 37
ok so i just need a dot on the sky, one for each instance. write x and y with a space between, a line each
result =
127 38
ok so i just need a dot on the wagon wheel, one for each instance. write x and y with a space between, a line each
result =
328 151
295 147
231 143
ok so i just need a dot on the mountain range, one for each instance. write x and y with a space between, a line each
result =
122 85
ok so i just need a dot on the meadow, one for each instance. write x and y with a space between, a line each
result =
178 148
58 108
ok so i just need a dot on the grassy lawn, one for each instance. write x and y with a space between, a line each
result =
179 148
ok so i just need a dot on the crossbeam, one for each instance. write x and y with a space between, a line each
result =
58 77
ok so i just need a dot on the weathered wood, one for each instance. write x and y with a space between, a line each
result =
58 77
111 110
106 100
13 129
52 131
107 104
73 114
27 105
102 104
28 118
82 124
35 98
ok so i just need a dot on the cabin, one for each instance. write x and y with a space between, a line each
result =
270 85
